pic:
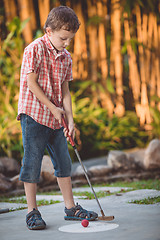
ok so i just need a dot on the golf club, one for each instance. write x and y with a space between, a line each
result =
103 217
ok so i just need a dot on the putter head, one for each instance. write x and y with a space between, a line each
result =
106 218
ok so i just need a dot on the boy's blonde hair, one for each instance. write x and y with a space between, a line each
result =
62 17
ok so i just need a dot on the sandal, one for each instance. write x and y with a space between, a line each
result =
34 220
78 213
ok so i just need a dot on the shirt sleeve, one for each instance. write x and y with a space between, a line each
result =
33 59
69 76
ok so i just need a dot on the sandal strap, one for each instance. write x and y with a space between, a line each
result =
30 214
34 219
82 213
72 211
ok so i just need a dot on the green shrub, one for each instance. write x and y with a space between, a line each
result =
99 133
10 62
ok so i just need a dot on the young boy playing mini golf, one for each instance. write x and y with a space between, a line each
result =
44 97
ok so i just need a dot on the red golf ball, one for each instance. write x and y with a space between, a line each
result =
85 223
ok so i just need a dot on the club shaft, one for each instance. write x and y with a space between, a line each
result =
79 158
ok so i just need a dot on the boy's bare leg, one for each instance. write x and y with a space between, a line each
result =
30 190
65 186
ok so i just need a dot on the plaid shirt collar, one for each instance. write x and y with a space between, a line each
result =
52 48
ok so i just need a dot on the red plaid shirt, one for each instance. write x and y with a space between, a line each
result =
53 69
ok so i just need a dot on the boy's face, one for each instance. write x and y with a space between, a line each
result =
60 39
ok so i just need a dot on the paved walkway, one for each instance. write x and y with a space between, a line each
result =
140 222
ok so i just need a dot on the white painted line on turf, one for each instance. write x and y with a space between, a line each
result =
92 227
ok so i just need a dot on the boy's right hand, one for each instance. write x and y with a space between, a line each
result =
57 113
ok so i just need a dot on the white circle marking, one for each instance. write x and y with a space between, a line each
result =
92 227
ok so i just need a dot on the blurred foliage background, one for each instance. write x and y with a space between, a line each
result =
116 67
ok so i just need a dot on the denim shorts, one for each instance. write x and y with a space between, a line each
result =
37 138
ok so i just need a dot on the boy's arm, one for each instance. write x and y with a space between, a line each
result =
38 92
67 105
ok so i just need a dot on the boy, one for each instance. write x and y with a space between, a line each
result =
44 98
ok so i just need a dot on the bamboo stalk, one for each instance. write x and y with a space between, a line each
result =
150 72
116 24
102 42
32 14
157 58
57 3
158 80
145 116
93 46
7 10
112 66
93 43
152 81
68 3
152 63
10 9
144 39
44 8
80 62
133 69
24 14
104 95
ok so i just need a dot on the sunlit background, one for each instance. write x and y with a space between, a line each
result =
116 70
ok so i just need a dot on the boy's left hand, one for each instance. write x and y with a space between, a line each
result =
70 131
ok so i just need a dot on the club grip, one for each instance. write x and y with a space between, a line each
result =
70 138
